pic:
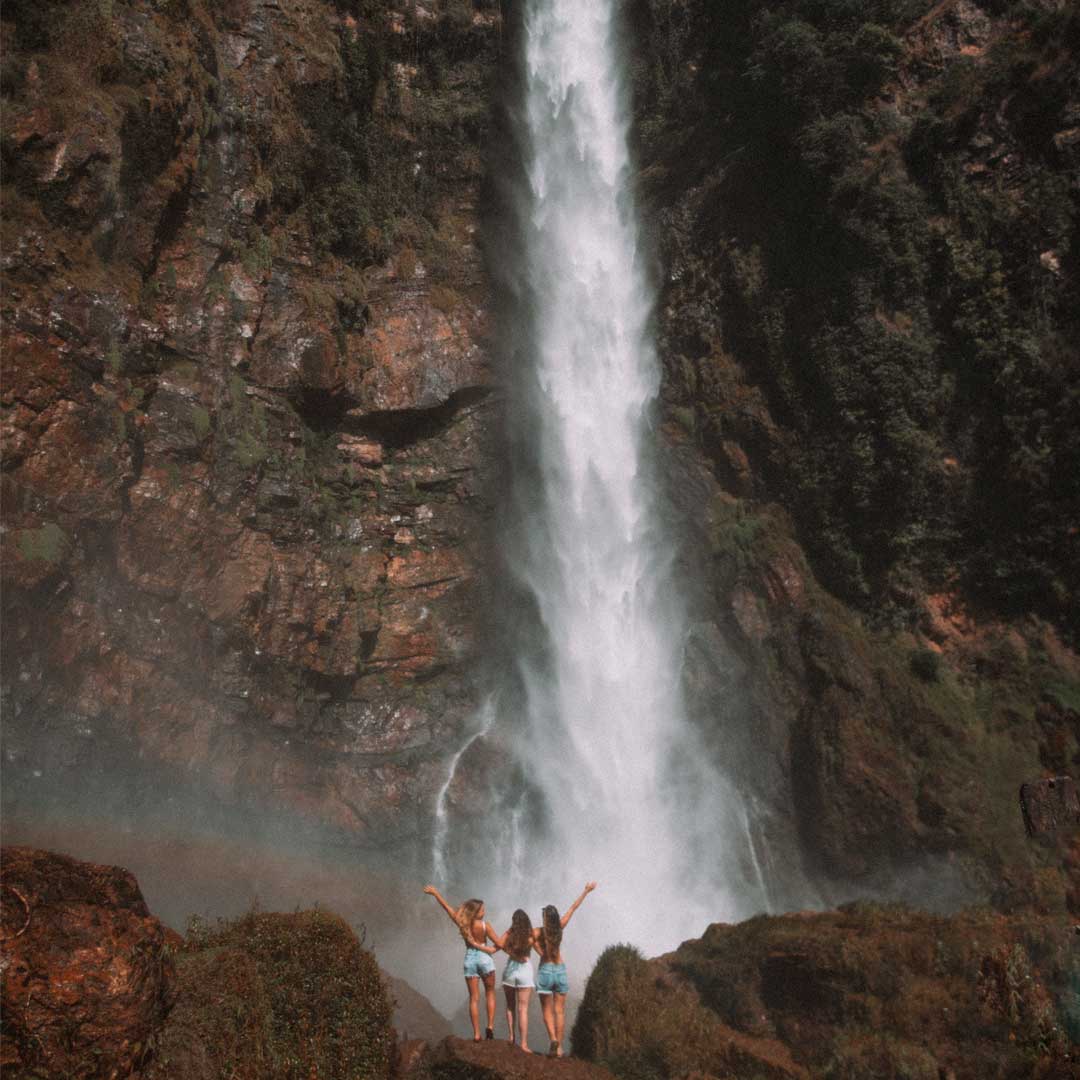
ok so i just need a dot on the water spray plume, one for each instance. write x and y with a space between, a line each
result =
625 790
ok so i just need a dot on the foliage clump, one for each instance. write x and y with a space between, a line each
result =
642 1030
277 995
48 544
904 300
926 664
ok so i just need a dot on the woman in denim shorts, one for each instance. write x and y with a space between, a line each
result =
552 985
469 919
517 979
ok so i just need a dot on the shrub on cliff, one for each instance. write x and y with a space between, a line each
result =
893 219
282 996
642 1026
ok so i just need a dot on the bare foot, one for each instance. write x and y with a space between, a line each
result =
526 1050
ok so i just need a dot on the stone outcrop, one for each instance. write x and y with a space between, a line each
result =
864 991
496 1060
882 739
415 1018
276 995
93 986
88 974
245 407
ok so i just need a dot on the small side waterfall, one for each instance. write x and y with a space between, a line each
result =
439 853
615 783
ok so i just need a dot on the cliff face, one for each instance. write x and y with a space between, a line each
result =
865 217
245 409
249 431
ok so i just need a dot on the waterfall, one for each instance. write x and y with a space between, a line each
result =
629 795
441 833
621 786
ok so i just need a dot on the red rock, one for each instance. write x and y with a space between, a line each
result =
87 978
363 451
498 1060
871 990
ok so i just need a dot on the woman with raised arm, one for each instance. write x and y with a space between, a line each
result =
469 919
517 978
552 986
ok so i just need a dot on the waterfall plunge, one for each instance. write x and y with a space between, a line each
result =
625 792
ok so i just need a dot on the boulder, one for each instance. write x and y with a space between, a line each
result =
287 996
87 970
866 990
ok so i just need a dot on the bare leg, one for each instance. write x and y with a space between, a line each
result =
560 1020
473 985
547 1007
489 999
510 993
523 995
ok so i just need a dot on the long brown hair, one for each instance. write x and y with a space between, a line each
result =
519 937
465 916
551 933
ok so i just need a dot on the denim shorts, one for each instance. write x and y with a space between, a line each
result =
477 964
551 979
518 973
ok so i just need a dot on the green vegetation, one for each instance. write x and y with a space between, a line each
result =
47 544
627 1024
905 305
643 1027
248 422
1064 694
114 358
200 422
288 996
258 257
926 664
353 165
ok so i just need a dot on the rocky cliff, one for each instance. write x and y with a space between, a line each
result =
250 438
246 403
865 220
860 993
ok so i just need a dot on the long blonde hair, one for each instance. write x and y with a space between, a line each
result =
465 916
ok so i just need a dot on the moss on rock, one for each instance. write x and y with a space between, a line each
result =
288 996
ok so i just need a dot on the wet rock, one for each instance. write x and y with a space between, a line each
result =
497 1060
87 970
238 467
866 990
421 355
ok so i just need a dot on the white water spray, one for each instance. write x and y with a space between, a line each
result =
440 869
629 796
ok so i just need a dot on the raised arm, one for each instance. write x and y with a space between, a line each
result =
577 903
432 891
